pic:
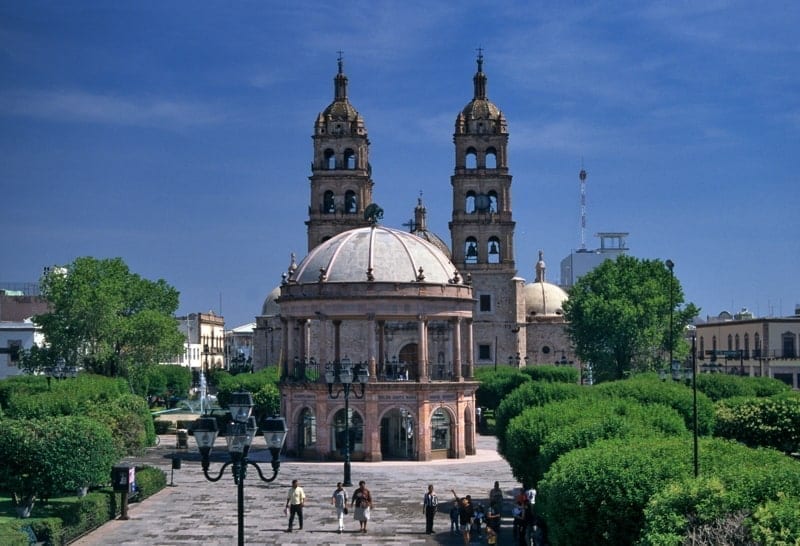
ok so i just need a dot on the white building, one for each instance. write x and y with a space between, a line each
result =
15 337
581 261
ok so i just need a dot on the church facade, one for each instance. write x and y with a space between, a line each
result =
408 314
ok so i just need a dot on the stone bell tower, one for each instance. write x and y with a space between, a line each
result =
482 228
341 182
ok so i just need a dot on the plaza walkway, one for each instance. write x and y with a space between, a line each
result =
198 512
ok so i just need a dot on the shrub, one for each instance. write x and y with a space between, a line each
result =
87 513
130 422
776 523
719 386
552 374
538 436
42 458
149 480
162 426
494 386
265 398
596 495
765 422
648 389
734 481
531 394
34 400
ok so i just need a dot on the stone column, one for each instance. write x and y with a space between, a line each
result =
456 322
422 349
371 342
470 349
337 339
288 344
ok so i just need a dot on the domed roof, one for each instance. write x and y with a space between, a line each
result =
480 108
340 109
375 254
270 308
543 299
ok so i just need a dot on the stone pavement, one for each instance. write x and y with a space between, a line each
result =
196 511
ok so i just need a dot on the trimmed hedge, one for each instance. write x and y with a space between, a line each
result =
531 394
760 422
540 435
262 384
552 374
649 389
495 386
718 386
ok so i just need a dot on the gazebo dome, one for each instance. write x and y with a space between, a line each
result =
376 254
543 299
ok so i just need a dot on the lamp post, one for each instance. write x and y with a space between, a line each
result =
677 373
241 432
342 374
670 265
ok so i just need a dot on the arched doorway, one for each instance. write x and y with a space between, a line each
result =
339 434
409 359
306 432
442 434
398 431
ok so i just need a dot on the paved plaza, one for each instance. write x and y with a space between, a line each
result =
196 511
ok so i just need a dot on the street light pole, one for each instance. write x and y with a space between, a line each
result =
670 265
343 374
241 432
694 403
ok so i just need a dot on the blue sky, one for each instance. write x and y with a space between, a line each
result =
177 135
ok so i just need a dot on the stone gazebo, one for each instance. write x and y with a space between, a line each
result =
394 304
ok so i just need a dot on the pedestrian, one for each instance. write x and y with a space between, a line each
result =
493 517
465 514
530 494
339 501
429 504
454 518
294 502
362 502
496 497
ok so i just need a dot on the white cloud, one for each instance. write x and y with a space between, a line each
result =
84 107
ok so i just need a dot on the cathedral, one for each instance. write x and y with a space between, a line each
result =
378 330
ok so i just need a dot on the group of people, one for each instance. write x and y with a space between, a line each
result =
465 516
360 502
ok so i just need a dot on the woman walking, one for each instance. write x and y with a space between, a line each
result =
362 502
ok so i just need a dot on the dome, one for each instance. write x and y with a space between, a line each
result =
271 308
375 254
543 299
481 109
340 110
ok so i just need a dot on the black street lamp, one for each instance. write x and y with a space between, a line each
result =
241 432
690 374
670 265
343 374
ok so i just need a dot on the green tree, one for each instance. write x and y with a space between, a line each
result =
106 319
619 315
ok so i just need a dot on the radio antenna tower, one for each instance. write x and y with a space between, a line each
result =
582 176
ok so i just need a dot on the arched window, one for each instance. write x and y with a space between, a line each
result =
702 348
491 158
788 339
757 345
469 205
338 431
349 159
493 250
747 345
730 342
350 202
714 343
440 430
492 201
328 203
307 429
471 250
330 159
471 159
736 342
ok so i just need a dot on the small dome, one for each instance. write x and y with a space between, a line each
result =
271 307
340 110
375 254
543 299
481 109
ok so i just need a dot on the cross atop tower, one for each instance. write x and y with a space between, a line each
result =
339 59
480 59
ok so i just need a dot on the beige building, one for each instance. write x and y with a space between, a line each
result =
742 344
416 314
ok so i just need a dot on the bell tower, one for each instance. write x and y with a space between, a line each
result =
482 228
341 182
